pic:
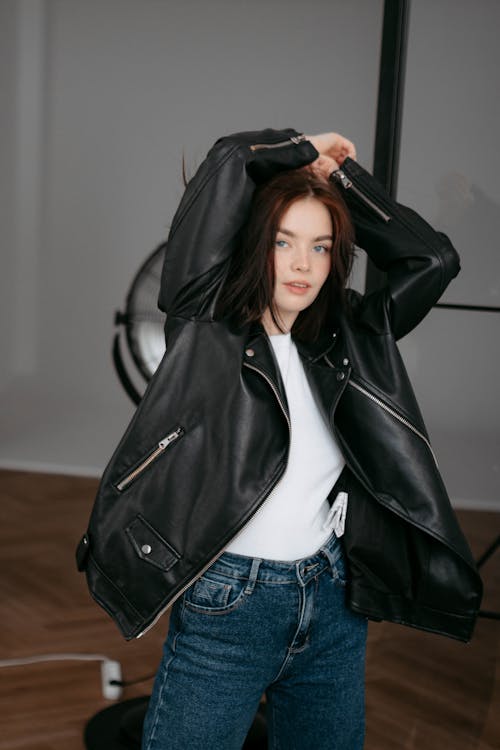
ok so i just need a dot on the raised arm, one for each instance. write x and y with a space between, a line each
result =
213 209
419 262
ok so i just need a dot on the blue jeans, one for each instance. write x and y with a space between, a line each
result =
250 626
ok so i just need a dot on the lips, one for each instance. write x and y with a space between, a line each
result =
297 287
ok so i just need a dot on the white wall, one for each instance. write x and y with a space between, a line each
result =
100 99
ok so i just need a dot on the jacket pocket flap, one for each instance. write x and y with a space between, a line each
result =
150 546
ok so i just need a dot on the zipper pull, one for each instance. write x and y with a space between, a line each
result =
167 440
293 139
341 177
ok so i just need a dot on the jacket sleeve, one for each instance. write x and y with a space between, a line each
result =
205 229
419 262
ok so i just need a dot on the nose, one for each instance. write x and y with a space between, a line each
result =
300 261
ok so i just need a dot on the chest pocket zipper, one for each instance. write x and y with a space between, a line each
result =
160 448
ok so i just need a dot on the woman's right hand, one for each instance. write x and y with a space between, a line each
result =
333 145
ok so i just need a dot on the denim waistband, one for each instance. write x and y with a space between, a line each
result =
278 571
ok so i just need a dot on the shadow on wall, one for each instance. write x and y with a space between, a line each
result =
467 214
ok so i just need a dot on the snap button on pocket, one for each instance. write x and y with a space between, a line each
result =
150 546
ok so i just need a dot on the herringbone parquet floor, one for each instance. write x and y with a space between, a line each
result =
423 691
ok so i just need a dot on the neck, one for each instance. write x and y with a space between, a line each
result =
286 322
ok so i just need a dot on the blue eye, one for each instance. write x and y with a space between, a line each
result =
321 249
281 243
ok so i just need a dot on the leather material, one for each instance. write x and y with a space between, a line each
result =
220 384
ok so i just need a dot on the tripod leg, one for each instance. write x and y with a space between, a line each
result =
484 557
488 553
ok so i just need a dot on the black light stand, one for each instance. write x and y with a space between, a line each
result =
389 109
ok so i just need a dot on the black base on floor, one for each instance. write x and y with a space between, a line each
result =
119 727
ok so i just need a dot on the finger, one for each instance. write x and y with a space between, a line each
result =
347 148
350 149
324 166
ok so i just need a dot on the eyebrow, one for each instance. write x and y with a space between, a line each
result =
289 233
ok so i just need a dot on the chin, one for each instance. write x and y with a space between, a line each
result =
302 305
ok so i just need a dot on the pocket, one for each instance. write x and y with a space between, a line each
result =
150 546
216 594
154 454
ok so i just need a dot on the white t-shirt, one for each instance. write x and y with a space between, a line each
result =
293 521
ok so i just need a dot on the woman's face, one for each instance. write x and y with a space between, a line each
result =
302 260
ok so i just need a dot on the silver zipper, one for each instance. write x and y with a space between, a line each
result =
341 177
293 139
220 552
271 384
394 414
162 445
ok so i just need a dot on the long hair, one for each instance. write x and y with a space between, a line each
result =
249 286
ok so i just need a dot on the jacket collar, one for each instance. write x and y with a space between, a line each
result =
310 351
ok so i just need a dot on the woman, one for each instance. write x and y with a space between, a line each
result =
277 483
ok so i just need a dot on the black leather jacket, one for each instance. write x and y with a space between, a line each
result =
210 438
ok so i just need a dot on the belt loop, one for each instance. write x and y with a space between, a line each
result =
332 556
252 578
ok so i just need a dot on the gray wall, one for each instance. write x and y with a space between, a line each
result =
100 101
449 169
7 171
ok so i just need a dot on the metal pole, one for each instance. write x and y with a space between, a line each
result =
389 107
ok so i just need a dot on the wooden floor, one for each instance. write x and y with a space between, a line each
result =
423 691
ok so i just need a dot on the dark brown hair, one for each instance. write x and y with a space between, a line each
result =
249 286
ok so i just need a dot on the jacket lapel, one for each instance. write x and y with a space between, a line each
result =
322 380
